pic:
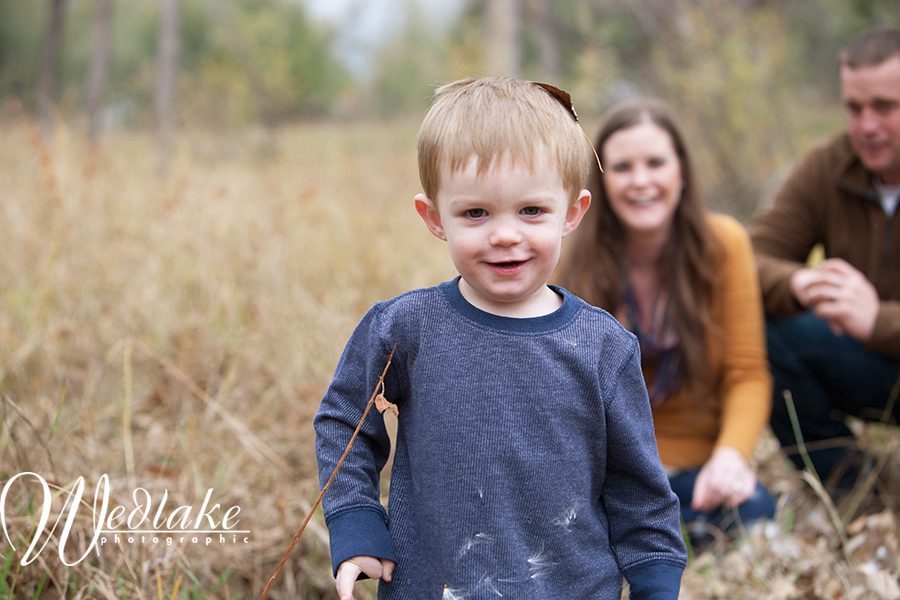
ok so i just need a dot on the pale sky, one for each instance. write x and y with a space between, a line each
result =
363 24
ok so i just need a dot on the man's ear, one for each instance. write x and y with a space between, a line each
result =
429 213
576 212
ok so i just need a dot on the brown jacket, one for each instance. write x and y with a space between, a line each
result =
829 198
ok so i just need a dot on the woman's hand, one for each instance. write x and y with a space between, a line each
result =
350 569
726 478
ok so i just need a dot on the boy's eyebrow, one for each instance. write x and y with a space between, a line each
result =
471 200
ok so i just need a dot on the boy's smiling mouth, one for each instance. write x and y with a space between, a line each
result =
507 263
506 267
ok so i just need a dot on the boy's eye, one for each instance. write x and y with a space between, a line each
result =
532 211
475 213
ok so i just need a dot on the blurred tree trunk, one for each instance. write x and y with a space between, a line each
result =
548 43
503 45
99 69
48 78
167 67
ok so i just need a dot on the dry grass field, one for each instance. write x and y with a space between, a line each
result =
176 334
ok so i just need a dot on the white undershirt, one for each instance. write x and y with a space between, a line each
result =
890 194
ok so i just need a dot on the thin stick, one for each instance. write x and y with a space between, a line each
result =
812 477
795 425
378 387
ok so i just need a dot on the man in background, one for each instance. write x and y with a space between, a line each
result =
834 329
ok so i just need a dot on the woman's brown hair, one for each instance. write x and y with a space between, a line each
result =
594 265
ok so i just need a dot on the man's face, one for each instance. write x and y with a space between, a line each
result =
872 98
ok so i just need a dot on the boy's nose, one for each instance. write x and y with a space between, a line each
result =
505 234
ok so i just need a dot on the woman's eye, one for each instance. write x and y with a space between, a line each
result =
531 211
475 213
656 162
621 167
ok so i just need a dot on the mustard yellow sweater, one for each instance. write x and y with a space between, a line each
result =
688 429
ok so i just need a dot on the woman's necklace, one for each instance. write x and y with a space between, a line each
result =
647 310
649 307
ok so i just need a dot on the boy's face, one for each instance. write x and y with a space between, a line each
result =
504 230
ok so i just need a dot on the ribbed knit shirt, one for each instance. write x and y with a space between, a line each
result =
525 464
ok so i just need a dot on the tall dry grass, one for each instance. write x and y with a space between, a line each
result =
243 271
176 333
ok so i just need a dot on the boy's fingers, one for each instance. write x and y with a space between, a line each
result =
387 571
369 565
346 578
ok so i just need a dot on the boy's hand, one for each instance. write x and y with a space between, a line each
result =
350 569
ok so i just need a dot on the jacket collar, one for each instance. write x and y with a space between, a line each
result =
853 178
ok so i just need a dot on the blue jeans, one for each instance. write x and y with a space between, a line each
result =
829 376
761 505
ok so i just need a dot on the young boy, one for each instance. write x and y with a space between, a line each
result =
525 465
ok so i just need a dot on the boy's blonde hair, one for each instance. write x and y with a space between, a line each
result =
494 118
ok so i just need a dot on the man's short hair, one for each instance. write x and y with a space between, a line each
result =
871 48
497 118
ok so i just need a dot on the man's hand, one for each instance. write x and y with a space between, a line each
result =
350 569
839 294
726 478
806 287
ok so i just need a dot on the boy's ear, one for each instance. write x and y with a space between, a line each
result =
429 213
576 212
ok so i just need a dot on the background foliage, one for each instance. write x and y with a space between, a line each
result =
176 328
754 80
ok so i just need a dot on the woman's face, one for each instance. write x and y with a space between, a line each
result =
643 178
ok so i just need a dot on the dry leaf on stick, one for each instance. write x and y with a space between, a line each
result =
382 404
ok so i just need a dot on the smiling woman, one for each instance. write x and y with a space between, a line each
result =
684 282
644 181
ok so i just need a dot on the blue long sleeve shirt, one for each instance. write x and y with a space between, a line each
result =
525 466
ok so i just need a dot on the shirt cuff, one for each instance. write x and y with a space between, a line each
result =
657 580
359 532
